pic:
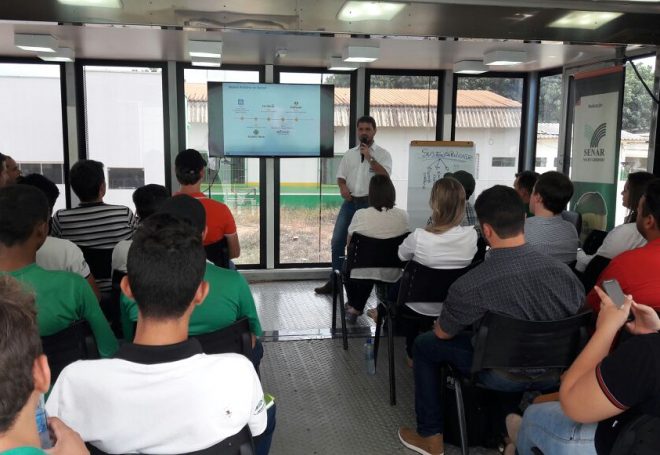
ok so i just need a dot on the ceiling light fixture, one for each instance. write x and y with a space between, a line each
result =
356 11
61 54
205 49
337 64
96 3
360 54
586 20
35 43
206 61
470 67
503 57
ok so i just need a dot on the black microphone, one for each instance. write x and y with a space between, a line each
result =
363 140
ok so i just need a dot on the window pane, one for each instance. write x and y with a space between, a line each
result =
405 109
488 113
234 181
31 119
547 132
124 118
125 178
309 197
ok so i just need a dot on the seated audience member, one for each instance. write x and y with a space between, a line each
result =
190 167
4 175
62 297
638 270
602 390
13 171
229 297
24 377
161 393
147 200
524 186
626 236
381 220
93 224
515 280
56 253
468 183
547 231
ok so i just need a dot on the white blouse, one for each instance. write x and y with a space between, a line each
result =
380 225
622 238
453 249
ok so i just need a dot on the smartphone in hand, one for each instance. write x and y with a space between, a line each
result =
613 290
42 425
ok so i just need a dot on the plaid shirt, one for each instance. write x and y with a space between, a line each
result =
519 282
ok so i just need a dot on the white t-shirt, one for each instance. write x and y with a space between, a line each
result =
453 249
62 254
380 225
622 238
357 173
190 404
120 255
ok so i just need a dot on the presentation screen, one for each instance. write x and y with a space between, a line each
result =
270 120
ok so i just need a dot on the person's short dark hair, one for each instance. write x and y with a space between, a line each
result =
149 198
166 264
466 179
382 193
22 208
20 345
46 185
637 182
527 180
501 208
652 201
367 119
86 178
555 189
187 166
186 208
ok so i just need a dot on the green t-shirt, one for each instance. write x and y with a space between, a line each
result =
63 298
229 299
24 451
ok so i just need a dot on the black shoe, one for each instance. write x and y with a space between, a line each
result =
325 289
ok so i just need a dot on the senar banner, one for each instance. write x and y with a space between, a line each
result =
597 99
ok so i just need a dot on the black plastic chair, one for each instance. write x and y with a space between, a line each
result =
590 275
235 338
76 342
575 218
218 253
504 343
100 264
593 241
239 444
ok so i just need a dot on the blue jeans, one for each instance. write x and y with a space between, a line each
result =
340 232
262 442
545 426
429 353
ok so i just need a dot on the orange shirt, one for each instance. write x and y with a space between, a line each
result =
219 220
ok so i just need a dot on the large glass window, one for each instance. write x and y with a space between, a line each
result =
405 109
488 113
309 197
547 131
31 119
234 181
124 121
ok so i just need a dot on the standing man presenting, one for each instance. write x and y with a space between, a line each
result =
357 167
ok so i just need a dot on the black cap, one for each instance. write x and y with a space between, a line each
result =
186 208
189 161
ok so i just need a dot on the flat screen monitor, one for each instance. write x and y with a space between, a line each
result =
270 120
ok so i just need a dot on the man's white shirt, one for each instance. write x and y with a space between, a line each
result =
358 173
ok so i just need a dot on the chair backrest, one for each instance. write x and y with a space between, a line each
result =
593 241
590 275
640 436
503 342
239 444
420 283
76 342
575 218
218 253
234 338
368 252
99 261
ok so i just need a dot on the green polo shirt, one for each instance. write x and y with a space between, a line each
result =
24 451
229 299
63 298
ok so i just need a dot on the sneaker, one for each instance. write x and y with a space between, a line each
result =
325 289
429 445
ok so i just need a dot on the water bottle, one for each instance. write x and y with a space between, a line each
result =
369 360
42 425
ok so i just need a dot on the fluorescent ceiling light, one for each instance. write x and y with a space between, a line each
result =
359 54
587 20
205 49
62 54
355 11
97 3
470 67
35 43
502 58
337 64
205 61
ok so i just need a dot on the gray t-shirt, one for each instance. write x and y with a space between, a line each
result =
519 282
553 236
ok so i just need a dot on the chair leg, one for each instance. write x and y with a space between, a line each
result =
333 279
342 310
379 324
460 410
390 354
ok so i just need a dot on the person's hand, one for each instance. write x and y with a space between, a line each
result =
254 340
345 193
364 150
646 320
611 317
67 441
438 331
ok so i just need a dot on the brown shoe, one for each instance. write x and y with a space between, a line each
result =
430 445
325 289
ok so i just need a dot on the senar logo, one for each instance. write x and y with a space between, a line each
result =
598 134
